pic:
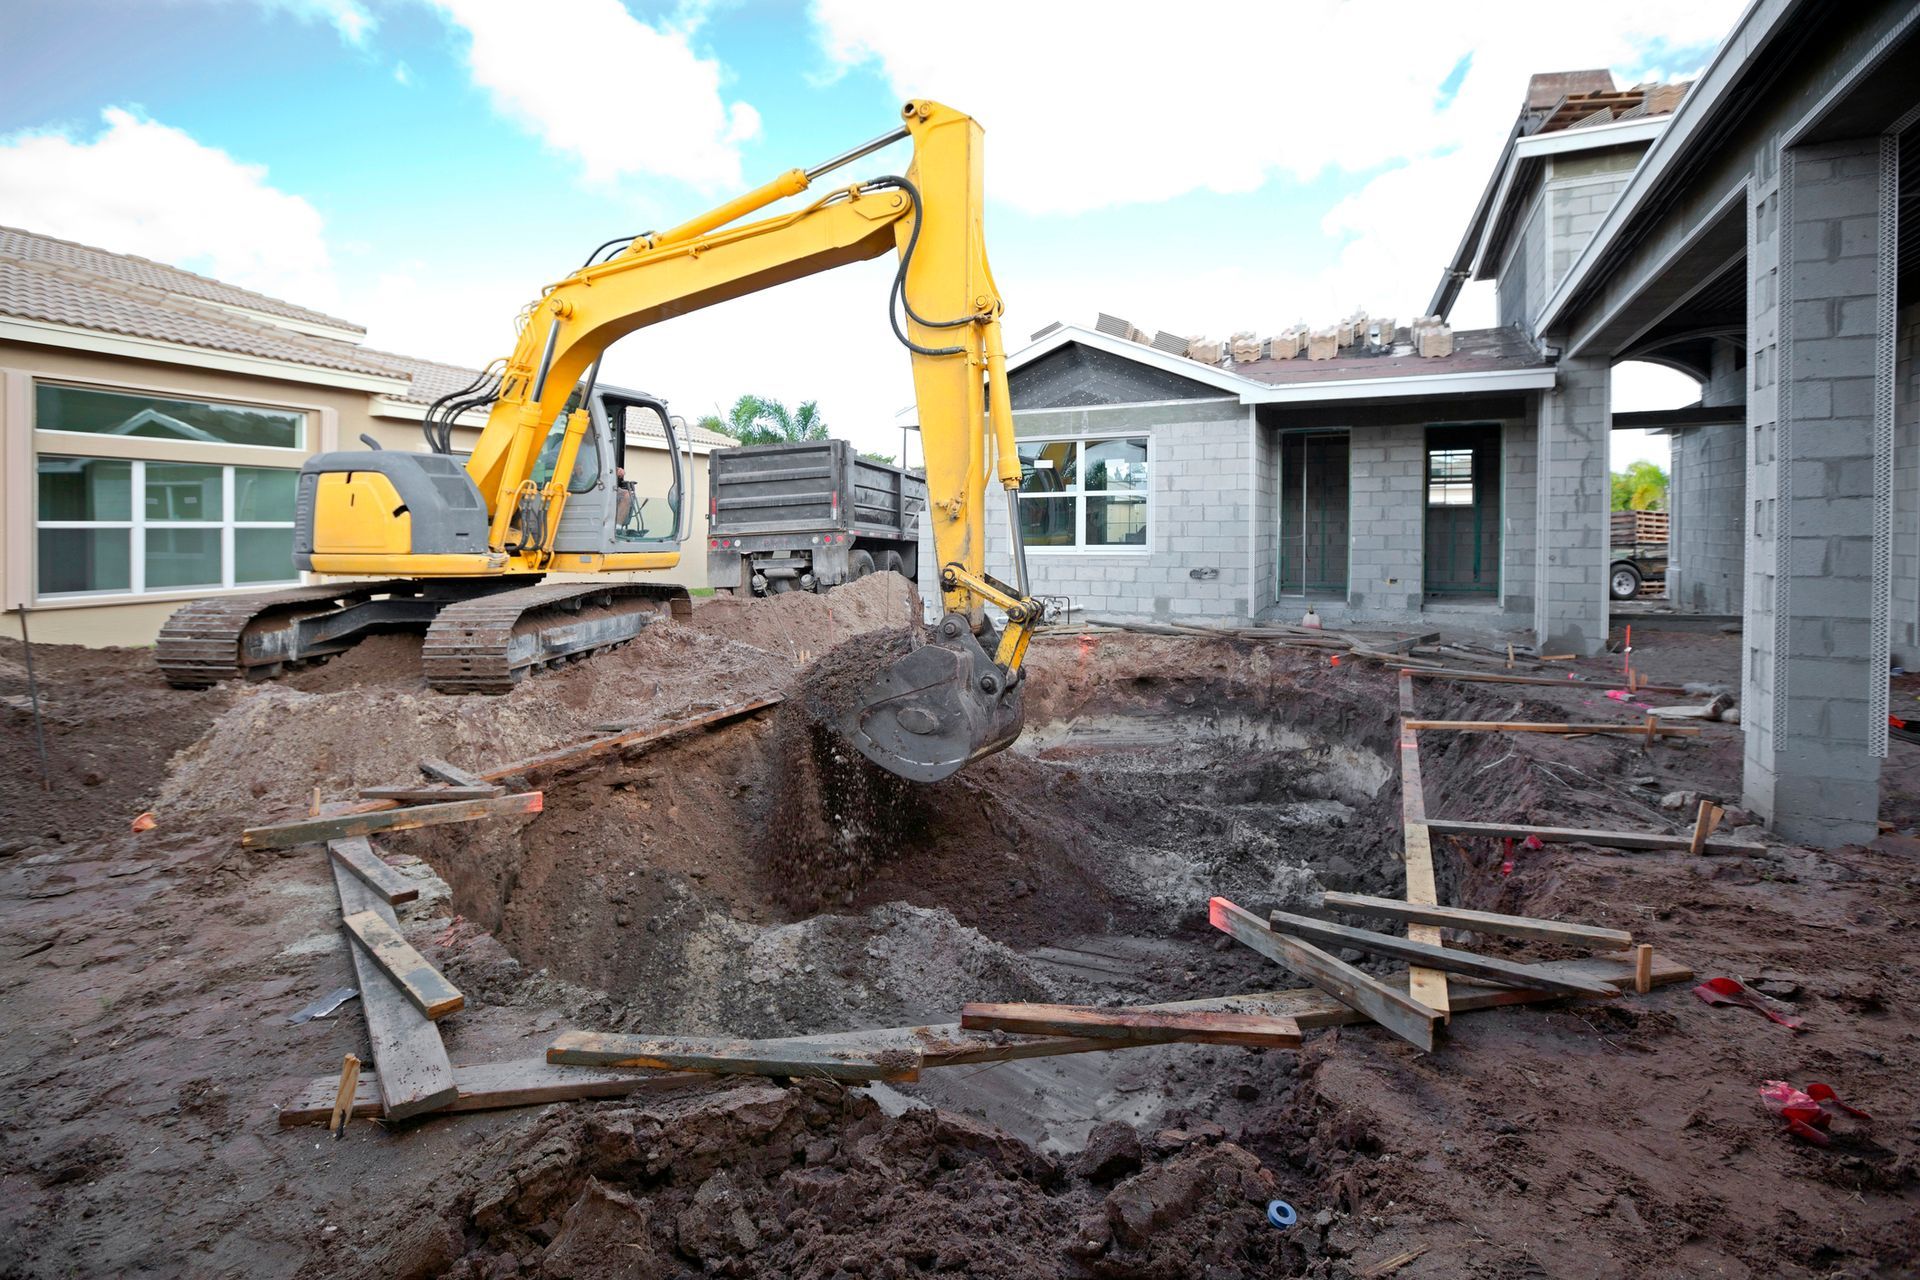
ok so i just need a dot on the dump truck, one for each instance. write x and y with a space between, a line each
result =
807 517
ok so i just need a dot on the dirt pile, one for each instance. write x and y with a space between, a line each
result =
815 1181
801 626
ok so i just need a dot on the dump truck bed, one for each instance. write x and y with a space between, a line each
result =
818 486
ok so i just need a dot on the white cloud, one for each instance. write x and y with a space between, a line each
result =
350 18
1140 107
623 96
146 188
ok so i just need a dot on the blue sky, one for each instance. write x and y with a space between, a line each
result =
423 166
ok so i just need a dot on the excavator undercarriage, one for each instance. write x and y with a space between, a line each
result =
481 636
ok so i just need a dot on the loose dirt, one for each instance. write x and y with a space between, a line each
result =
144 1041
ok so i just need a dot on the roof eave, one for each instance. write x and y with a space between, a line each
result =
74 337
1412 385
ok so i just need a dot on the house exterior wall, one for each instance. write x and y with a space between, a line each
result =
1906 488
1200 507
1518 288
1707 495
1581 189
336 418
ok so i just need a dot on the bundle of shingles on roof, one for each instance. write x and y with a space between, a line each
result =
1426 336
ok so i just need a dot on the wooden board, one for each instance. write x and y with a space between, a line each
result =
523 1082
414 1074
1531 726
359 857
423 984
316 830
1156 1025
1395 1010
428 794
449 773
1493 922
1557 682
1489 968
794 1056
1429 986
581 752
1584 835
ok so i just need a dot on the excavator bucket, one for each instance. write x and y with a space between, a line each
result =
941 706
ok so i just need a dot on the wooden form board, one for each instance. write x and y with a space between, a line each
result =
429 794
1398 1012
581 752
317 830
1532 726
414 1074
522 1082
1579 935
1429 986
453 775
797 1056
1583 835
358 855
423 984
1557 682
1489 968
528 1082
1151 1025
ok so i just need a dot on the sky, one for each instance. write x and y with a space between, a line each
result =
423 167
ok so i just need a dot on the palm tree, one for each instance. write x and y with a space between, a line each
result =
764 420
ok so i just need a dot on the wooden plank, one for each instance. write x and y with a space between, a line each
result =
1398 1012
1133 1024
1429 986
423 984
1585 835
580 752
1500 677
794 1056
359 857
1493 922
429 794
434 767
316 830
415 1076
1650 728
1489 968
523 1082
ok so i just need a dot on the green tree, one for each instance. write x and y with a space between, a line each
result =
1641 487
884 458
764 420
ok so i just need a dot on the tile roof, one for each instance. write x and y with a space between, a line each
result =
67 295
1474 351
18 245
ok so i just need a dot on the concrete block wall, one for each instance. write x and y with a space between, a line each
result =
1577 211
1387 522
1519 289
1573 497
1200 473
1520 508
1707 495
1263 589
1816 677
1906 488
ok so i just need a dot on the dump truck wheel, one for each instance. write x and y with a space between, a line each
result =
894 562
1624 582
859 565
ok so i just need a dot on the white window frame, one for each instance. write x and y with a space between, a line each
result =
137 531
301 446
1080 494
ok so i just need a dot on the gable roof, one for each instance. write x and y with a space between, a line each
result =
19 245
1483 360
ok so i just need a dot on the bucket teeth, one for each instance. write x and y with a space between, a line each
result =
942 706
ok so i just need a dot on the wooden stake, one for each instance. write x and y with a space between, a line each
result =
1643 968
343 1097
313 806
1653 728
1509 657
1703 826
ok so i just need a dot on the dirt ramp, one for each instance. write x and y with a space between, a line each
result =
801 626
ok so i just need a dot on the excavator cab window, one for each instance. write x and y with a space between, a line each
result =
586 462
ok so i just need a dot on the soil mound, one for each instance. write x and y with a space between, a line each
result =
801 626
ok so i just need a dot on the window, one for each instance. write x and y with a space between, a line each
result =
111 525
117 413
1085 494
1450 478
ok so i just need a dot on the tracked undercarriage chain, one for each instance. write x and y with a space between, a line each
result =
227 637
489 645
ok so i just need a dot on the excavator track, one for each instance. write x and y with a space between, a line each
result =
255 636
488 645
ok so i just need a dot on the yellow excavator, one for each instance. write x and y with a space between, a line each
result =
463 549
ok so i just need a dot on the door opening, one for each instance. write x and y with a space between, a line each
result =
1463 512
1313 513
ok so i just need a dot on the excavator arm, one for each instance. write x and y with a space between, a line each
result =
957 697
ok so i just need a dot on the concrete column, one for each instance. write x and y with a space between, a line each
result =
1570 592
1820 463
